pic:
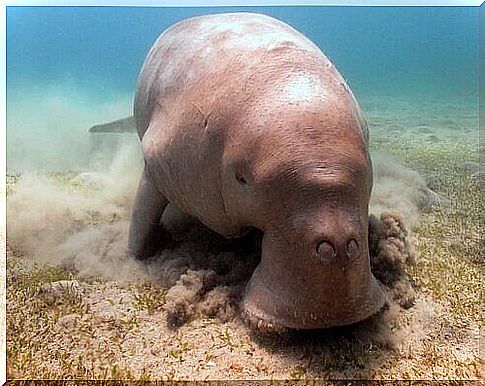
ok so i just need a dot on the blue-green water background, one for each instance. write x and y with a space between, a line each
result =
418 53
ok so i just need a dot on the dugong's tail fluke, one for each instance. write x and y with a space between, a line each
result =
125 125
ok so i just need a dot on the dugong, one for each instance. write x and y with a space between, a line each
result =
245 123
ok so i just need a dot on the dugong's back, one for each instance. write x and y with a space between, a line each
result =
213 84
194 49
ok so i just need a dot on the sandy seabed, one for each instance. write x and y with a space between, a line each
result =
76 308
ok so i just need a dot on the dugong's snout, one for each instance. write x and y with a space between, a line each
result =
331 287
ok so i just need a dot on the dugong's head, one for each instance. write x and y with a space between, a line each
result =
300 172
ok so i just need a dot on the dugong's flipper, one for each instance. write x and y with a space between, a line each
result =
146 234
125 125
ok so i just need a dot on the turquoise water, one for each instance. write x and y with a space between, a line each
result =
71 67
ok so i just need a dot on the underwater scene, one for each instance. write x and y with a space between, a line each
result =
192 274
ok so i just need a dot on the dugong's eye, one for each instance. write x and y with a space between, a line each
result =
241 179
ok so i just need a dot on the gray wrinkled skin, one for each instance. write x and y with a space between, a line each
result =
246 124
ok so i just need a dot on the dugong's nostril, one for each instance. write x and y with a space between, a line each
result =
325 251
353 252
